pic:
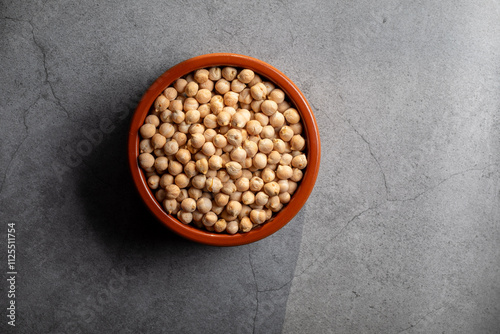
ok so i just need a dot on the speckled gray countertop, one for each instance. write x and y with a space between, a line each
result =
400 235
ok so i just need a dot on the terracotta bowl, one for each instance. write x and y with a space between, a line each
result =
312 141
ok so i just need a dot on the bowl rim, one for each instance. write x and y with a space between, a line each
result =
310 129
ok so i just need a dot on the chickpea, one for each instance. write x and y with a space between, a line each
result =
161 103
222 86
299 161
284 185
213 184
219 140
234 137
190 169
209 219
256 184
297 143
231 99
232 227
286 159
146 160
251 148
172 191
161 164
181 180
191 89
260 161
242 184
171 206
233 168
147 130
238 120
165 180
208 149
248 163
221 199
258 216
176 105
194 193
258 91
199 181
201 75
166 130
166 116
216 104
152 119
160 195
192 116
284 197
283 106
188 205
284 172
178 116
180 85
297 128
286 133
261 198
273 158
233 208
245 225
292 186
159 152
202 166
183 127
268 175
154 182
210 121
145 146
191 104
197 217
277 95
297 175
254 127
238 154
245 98
211 173
272 188
220 225
277 120
266 146
237 86
269 86
214 73
269 107
248 197
229 73
182 196
224 118
175 167
215 162
274 203
204 205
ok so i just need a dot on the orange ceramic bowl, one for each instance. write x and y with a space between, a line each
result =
312 145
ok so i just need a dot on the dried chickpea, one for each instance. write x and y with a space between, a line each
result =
219 140
197 217
245 225
234 137
221 199
229 73
274 203
258 216
176 105
272 188
213 184
146 160
232 227
161 103
191 89
246 76
299 161
214 73
161 164
233 208
223 118
183 156
180 85
192 116
201 75
269 86
277 120
238 154
238 120
242 184
178 116
261 198
145 146
237 86
258 91
167 130
188 205
216 104
297 143
286 159
154 181
166 116
159 152
199 181
286 133
181 180
260 161
202 166
190 169
256 184
220 225
277 95
165 180
284 197
171 205
175 167
222 86
292 186
248 197
204 205
172 191
251 148
254 127
215 162
147 130
269 107
152 119
284 185
297 175
245 98
273 158
231 99
284 172
209 219
267 175
283 106
185 217
266 146
191 104
233 168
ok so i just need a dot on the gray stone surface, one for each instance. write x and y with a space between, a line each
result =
401 234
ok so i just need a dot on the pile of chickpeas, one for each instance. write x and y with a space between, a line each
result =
222 149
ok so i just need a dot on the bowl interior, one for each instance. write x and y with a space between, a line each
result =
311 133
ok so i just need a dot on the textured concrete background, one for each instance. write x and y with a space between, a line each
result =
402 232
